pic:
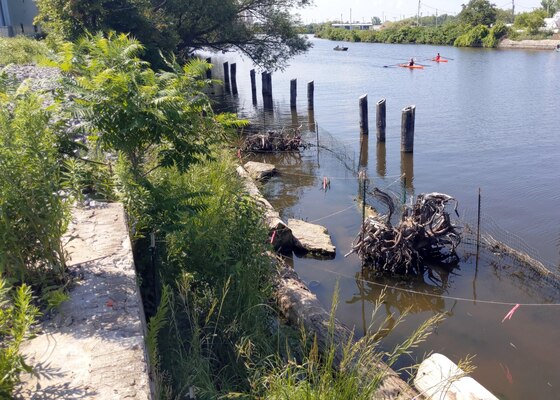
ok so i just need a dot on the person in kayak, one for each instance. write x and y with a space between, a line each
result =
438 57
411 62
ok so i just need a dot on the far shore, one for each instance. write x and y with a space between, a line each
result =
546 44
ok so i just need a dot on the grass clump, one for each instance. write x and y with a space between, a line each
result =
17 315
21 50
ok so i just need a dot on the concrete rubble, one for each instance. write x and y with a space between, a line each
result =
259 171
280 234
312 238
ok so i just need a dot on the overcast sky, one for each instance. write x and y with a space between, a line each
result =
363 10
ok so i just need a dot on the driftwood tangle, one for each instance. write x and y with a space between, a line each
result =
273 141
425 231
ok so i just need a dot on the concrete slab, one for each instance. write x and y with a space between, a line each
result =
439 378
260 171
312 238
94 347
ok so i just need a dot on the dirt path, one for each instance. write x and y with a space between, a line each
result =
94 347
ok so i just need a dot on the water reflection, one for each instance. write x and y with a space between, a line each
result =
381 159
311 120
407 172
402 296
364 151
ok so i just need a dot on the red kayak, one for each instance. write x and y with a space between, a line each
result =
411 66
440 60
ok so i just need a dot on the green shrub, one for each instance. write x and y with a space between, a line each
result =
21 50
33 216
473 38
17 315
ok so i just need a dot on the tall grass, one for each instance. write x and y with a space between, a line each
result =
21 50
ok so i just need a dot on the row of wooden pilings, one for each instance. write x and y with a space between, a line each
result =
408 117
408 114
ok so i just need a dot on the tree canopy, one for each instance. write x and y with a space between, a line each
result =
263 30
478 12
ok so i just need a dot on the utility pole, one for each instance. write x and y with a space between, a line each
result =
418 14
351 18
436 17
512 11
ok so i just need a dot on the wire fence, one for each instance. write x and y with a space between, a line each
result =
484 240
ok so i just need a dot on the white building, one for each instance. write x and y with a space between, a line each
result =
553 23
16 17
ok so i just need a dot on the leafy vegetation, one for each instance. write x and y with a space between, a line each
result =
32 215
21 50
264 30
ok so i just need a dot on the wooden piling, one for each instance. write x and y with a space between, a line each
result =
253 86
310 92
226 77
293 93
380 119
364 124
233 69
267 89
209 71
407 129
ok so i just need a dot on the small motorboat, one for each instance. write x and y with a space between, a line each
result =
340 48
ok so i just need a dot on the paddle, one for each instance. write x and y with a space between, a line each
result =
447 58
391 66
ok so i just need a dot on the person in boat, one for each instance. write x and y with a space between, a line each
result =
411 62
438 57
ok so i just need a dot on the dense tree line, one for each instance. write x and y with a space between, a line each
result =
479 24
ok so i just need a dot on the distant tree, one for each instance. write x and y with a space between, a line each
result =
478 12
264 30
550 6
531 21
504 16
376 21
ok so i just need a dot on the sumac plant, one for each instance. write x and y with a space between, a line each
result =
153 118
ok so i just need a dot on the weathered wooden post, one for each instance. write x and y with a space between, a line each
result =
380 120
226 77
295 118
310 92
364 123
233 69
267 89
209 71
293 93
407 129
253 86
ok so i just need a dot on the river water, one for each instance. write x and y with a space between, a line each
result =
488 120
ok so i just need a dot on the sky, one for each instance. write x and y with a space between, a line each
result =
364 10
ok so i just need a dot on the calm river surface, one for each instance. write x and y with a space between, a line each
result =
488 119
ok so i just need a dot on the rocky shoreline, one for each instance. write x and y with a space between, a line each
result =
545 44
